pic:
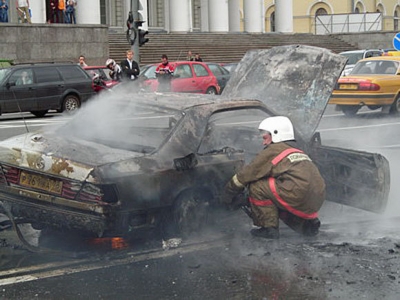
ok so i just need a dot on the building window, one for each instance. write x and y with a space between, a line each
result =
320 12
272 22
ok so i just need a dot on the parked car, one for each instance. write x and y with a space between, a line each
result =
374 82
103 75
230 66
221 73
162 160
189 77
40 87
355 55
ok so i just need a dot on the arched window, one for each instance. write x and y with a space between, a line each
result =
272 21
396 18
357 10
321 11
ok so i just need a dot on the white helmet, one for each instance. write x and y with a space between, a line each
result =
110 61
280 128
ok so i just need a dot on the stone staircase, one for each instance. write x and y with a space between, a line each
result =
216 47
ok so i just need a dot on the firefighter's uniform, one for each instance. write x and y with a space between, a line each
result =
283 183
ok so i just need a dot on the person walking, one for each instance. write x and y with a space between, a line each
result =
130 68
282 182
3 11
164 73
23 8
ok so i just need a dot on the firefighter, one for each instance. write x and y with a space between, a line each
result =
282 182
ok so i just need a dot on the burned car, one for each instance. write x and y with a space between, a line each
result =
146 160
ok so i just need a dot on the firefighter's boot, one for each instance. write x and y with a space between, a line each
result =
271 233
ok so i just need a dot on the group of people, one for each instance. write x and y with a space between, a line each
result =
191 57
62 11
23 10
127 70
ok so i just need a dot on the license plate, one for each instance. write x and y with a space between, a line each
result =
40 182
348 86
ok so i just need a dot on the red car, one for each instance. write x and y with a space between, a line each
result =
189 77
105 80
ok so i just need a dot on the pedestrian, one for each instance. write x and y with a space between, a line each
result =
53 11
115 69
164 73
61 11
189 56
24 11
3 11
82 61
70 12
130 68
282 182
197 57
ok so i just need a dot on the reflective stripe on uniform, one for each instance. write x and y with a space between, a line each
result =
283 154
272 186
256 202
236 181
282 202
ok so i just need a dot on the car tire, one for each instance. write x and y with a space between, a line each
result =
39 113
350 110
190 213
71 103
211 91
395 107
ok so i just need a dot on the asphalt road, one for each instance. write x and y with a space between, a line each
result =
356 256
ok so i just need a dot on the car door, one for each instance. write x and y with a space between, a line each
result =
354 178
221 73
49 87
183 80
19 94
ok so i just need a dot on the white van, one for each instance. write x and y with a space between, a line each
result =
354 56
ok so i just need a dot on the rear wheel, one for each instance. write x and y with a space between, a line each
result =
211 91
71 103
350 110
395 107
39 113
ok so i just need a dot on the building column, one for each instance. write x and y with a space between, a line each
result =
204 24
253 16
284 16
179 15
38 10
88 12
234 15
218 12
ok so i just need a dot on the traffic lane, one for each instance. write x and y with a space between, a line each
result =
351 260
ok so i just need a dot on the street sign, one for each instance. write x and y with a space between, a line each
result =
396 41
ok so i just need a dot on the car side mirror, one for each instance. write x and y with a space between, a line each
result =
10 84
185 163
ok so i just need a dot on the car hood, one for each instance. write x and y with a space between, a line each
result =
295 81
46 152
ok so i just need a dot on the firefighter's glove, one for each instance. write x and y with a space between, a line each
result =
232 189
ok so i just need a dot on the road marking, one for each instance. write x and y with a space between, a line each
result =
76 266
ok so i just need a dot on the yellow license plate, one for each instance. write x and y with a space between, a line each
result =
348 86
40 182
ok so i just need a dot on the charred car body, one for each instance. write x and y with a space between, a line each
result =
145 159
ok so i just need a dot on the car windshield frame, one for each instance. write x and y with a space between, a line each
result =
130 126
4 74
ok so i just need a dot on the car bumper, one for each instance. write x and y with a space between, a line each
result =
360 99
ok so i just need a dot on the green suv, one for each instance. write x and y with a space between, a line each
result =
40 87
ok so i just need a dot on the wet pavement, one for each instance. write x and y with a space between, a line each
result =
356 256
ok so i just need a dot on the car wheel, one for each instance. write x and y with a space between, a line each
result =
211 91
190 213
71 103
395 107
39 113
350 110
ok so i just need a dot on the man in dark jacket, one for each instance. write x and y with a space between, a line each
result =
283 183
130 68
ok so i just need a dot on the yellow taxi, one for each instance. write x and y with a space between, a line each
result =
374 82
